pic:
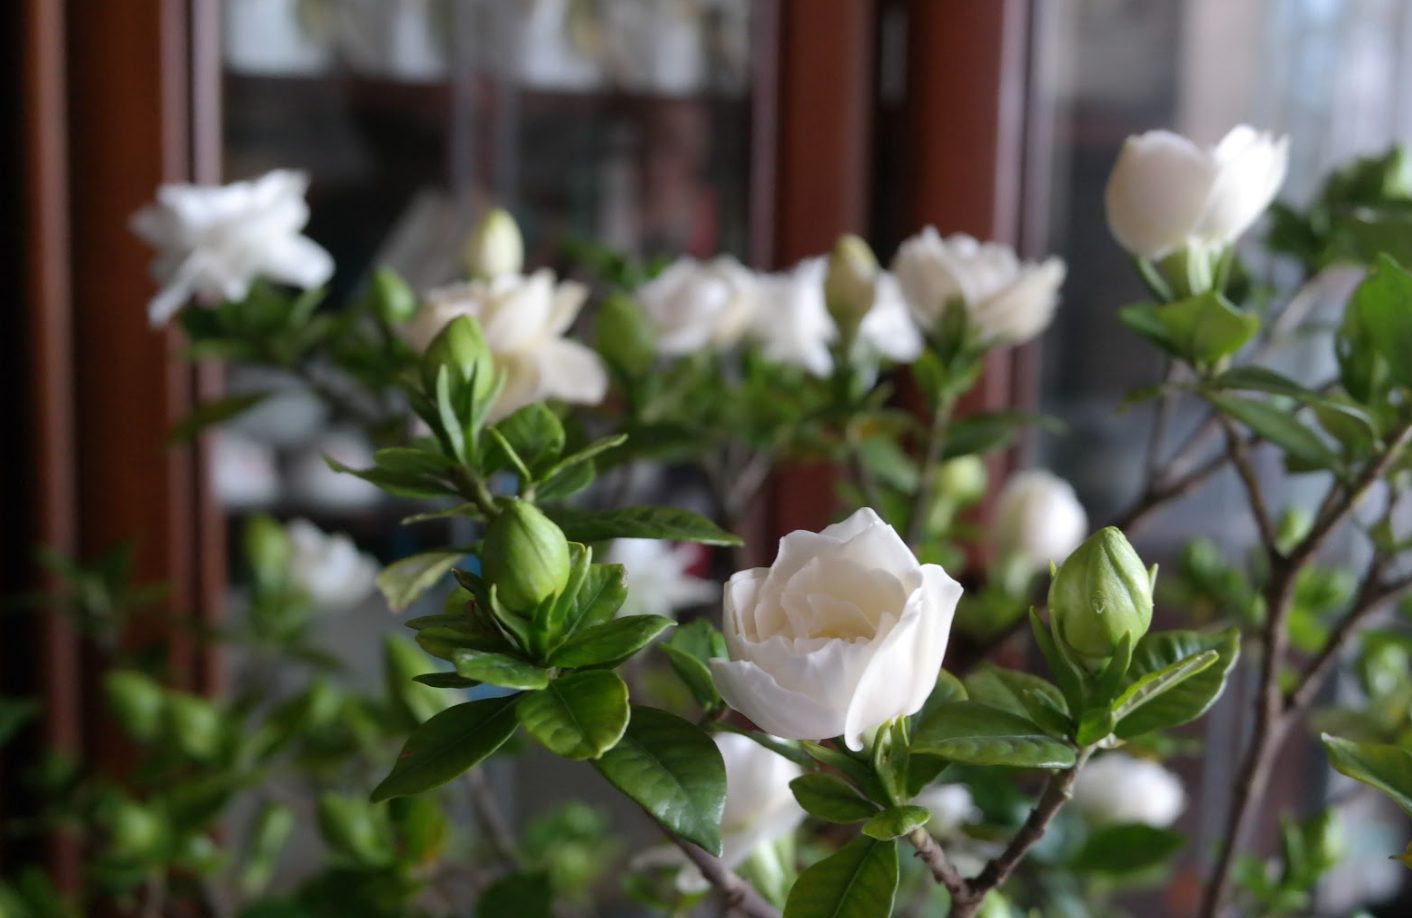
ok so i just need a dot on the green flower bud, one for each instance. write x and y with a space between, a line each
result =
461 346
496 248
963 479
624 338
267 551
849 286
195 726
1101 592
137 701
525 556
391 298
135 832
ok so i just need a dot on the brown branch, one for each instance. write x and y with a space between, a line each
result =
737 893
1157 495
492 821
1240 456
935 859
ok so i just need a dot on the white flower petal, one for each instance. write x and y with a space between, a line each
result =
792 715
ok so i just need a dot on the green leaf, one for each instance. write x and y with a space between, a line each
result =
857 881
586 454
402 661
448 745
611 641
1011 690
855 769
512 458
533 433
1192 697
410 461
640 523
268 835
350 826
401 582
579 716
519 895
1278 426
566 483
1385 767
1095 724
1151 686
1384 302
832 799
598 599
896 821
1259 379
696 675
1124 849
977 734
890 759
499 669
1205 329
1066 674
441 680
213 412
672 770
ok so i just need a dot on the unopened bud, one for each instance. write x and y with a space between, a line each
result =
849 288
963 480
392 300
1099 594
525 556
137 701
496 248
461 346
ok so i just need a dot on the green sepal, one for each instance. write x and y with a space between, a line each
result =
896 821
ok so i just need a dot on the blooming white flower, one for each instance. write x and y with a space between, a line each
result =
1117 788
523 320
951 806
1007 301
657 578
693 305
1166 192
760 809
328 567
844 632
888 329
1038 518
790 318
216 240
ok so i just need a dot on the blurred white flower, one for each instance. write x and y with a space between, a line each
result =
951 806
693 305
1008 301
312 483
1166 192
1117 788
862 296
657 578
243 473
523 320
217 240
1038 518
888 329
790 318
328 567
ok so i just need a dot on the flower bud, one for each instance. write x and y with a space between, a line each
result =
137 701
460 346
963 479
850 286
1101 593
496 248
525 556
392 300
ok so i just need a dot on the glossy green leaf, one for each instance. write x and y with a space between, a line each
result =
832 799
533 433
1384 302
598 599
499 669
415 485
856 770
402 582
449 745
579 716
640 523
1010 689
857 881
1129 848
1260 379
674 771
610 641
896 821
1192 697
977 734
1278 426
1385 767
402 662
566 483
1206 328
1153 685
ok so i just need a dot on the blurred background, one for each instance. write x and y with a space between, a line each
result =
762 128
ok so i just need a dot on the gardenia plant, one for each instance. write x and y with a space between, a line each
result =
851 679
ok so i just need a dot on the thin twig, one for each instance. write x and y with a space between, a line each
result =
935 859
1155 495
1240 456
737 893
1161 420
492 821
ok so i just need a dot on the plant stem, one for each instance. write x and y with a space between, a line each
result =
926 489
738 894
492 821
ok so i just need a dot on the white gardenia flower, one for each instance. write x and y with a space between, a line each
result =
1008 301
328 567
657 578
694 305
791 320
844 632
217 240
951 806
1038 518
1117 788
523 320
888 329
1165 192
